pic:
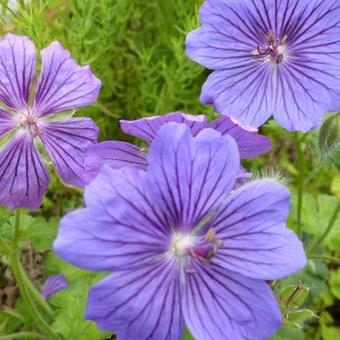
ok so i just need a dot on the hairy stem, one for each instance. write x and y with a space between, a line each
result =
301 169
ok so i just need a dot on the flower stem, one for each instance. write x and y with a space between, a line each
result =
14 260
26 280
301 168
331 223
325 258
23 335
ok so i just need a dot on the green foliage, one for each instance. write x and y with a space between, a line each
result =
69 320
135 47
329 140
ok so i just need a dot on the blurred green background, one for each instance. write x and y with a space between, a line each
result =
136 47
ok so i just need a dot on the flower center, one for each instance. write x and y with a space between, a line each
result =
30 123
181 244
273 50
188 248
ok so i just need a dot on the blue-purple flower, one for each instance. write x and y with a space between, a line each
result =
270 58
53 285
119 154
28 119
185 248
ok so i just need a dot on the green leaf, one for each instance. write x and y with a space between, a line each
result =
42 233
328 332
70 304
301 315
316 212
329 140
287 332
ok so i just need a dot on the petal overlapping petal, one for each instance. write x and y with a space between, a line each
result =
114 154
147 128
66 142
139 304
249 143
244 92
63 84
189 175
120 226
218 304
17 70
23 175
256 242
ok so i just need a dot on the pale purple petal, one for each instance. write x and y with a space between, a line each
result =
251 82
53 285
241 91
139 304
190 175
114 154
249 143
224 40
17 70
303 94
23 175
218 304
120 226
7 122
147 128
256 242
63 84
66 142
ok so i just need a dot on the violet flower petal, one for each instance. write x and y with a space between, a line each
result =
139 304
256 242
250 144
23 175
66 142
147 128
219 304
17 70
7 122
121 205
191 175
53 285
114 154
63 84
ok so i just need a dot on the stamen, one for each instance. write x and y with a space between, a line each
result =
210 235
273 50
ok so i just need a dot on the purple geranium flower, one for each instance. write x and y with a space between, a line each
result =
119 154
270 58
62 85
53 285
184 247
